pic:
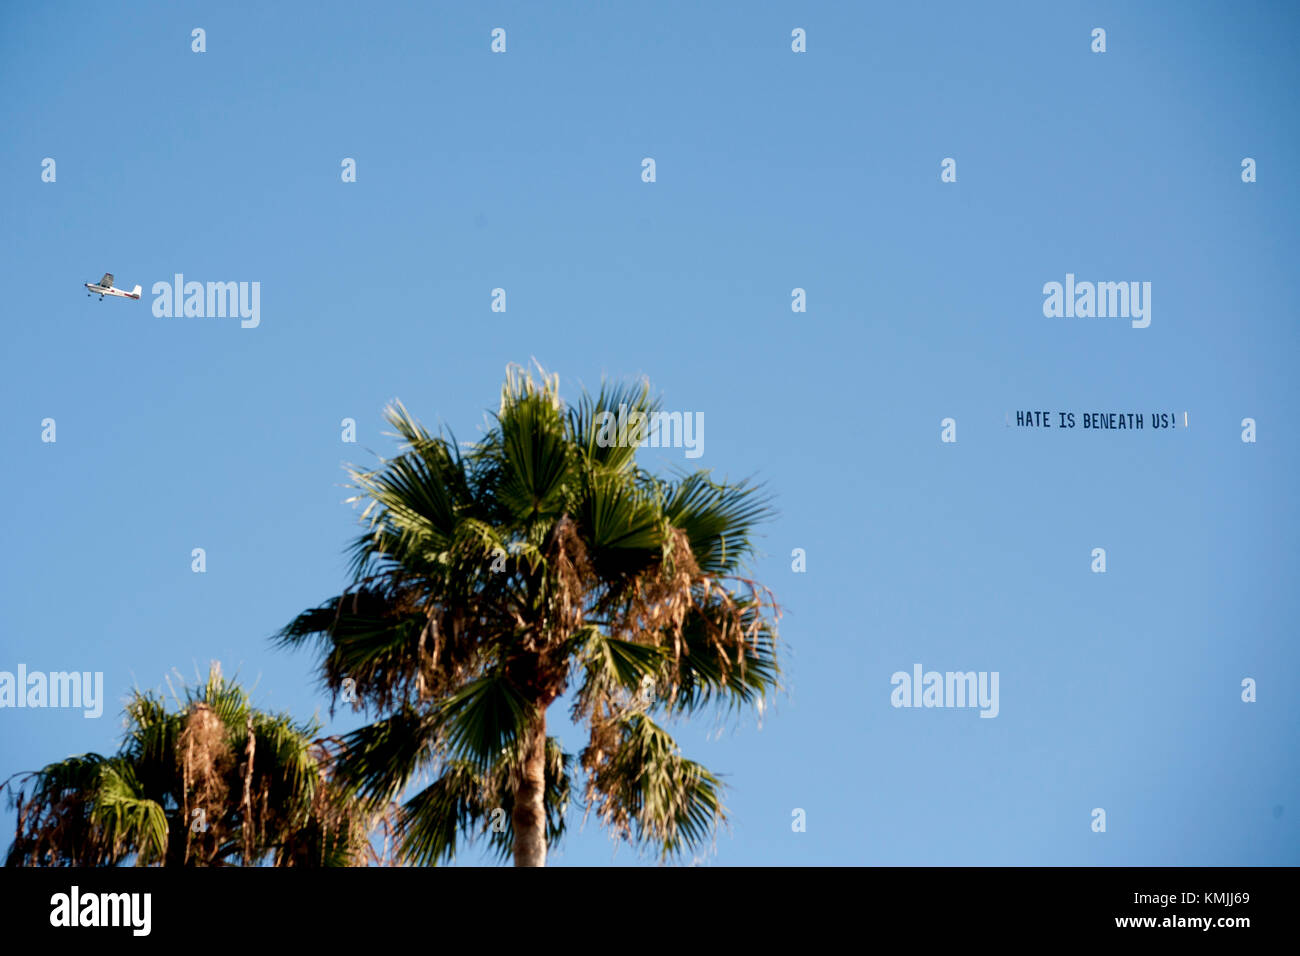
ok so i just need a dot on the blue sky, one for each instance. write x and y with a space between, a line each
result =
775 170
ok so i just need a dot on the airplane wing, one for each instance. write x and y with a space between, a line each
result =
107 281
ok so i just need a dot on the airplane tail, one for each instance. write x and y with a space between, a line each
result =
135 293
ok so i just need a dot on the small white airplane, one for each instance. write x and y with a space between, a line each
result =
105 287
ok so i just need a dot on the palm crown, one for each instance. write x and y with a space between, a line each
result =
491 580
215 782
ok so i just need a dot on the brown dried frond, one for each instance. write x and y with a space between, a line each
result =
734 625
661 597
566 556
595 760
205 755
440 656
56 833
660 600
246 803
333 819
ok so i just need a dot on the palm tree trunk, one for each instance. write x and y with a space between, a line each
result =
529 816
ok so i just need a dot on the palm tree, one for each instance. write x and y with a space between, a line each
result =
213 783
492 579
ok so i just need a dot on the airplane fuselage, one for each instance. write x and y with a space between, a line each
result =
102 291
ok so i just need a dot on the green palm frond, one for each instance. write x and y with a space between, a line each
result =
129 821
620 517
719 519
370 635
378 760
536 460
744 674
588 424
609 665
484 717
644 789
429 823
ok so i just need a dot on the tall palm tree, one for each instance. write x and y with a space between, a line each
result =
212 783
492 579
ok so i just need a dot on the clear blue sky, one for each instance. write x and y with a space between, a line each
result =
775 170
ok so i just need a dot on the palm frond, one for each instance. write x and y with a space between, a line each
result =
743 671
718 518
485 717
377 760
128 821
642 788
536 460
590 420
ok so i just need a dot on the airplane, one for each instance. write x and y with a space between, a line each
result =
105 287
